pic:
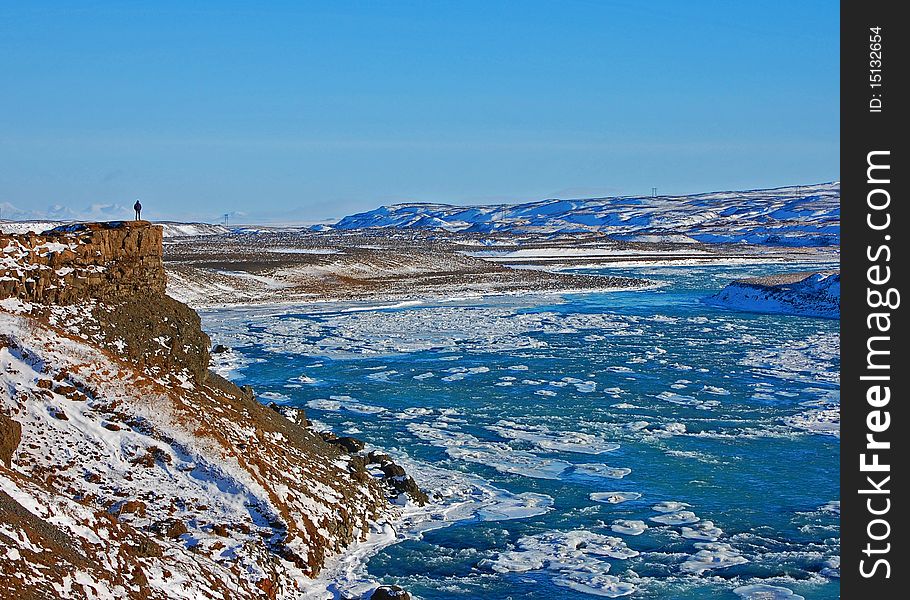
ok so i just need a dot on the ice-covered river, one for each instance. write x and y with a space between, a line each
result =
638 443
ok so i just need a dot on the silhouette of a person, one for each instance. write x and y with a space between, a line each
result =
138 208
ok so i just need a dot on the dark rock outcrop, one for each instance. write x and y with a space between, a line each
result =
396 480
349 444
390 592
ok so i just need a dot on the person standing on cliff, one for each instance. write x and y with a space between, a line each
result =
138 208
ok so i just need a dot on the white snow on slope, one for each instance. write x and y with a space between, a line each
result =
811 295
116 434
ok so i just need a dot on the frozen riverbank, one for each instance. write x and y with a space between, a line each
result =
574 447
805 294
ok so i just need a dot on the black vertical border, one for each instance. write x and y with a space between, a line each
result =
864 131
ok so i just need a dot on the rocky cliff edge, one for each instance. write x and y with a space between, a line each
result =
127 469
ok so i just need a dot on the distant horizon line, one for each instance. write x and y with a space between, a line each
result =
330 220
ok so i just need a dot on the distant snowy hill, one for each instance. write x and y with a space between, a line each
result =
789 216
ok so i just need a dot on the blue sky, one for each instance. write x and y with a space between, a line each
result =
302 111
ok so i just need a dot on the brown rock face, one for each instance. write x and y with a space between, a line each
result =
10 435
104 261
176 529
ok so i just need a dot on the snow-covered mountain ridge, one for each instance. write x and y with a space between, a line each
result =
796 216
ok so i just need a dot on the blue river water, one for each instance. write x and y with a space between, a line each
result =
666 448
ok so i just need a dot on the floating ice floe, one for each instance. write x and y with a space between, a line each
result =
825 421
414 412
683 517
712 555
718 391
670 506
338 403
600 470
675 398
459 373
500 456
811 360
323 404
674 428
581 385
382 376
614 497
575 559
516 506
558 547
326 331
557 441
832 568
704 531
609 586
762 591
629 527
